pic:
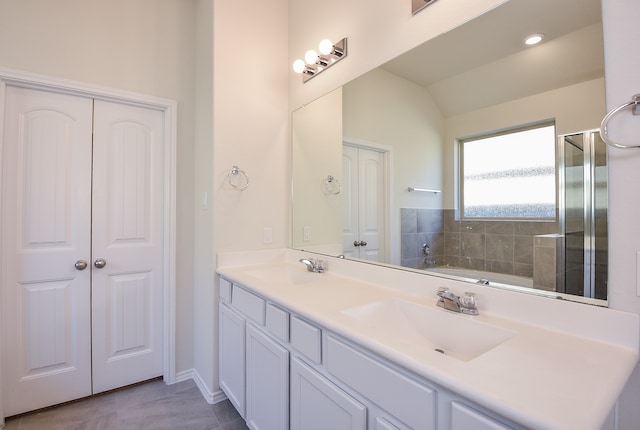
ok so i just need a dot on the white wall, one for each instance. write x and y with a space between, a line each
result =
316 140
383 108
622 62
251 130
379 33
143 46
202 327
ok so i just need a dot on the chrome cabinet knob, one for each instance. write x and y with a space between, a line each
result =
80 265
356 243
100 263
361 243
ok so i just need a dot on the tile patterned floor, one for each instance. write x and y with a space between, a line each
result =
149 406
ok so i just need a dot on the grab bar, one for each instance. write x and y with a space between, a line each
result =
635 102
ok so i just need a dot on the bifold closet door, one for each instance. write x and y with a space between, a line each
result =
46 228
82 247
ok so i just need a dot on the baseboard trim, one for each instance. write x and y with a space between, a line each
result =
211 397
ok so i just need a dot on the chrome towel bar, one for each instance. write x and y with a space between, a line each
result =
423 189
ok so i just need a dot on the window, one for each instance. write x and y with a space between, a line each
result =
509 175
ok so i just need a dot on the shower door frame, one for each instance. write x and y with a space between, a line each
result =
589 206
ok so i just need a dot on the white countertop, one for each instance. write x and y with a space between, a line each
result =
542 377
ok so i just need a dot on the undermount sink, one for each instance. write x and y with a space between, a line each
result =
455 335
286 275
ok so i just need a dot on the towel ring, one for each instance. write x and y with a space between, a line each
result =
635 102
331 186
234 174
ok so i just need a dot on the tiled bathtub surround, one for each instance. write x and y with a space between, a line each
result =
492 246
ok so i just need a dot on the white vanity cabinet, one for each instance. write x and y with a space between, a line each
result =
283 371
254 368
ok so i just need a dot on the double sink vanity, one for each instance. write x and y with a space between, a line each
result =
367 347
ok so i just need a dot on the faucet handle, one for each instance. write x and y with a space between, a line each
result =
442 291
469 299
321 266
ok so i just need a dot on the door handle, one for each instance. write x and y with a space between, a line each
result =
100 263
361 243
80 265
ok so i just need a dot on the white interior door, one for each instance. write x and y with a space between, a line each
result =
363 205
127 235
371 204
350 202
46 215
69 332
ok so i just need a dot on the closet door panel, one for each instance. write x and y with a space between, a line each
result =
128 202
45 230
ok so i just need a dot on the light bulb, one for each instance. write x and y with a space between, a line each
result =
325 47
298 66
311 56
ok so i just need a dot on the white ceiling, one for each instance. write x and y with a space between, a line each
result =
484 62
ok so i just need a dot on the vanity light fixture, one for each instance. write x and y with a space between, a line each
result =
533 39
314 63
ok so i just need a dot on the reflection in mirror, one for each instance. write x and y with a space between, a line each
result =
394 139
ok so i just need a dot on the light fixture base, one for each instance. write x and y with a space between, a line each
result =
418 5
324 61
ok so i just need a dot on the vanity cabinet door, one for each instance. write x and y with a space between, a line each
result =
267 382
232 357
318 404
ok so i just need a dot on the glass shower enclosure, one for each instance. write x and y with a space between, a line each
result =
582 186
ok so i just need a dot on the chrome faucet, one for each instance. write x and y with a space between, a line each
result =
313 265
465 304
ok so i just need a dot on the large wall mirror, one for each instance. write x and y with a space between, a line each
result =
472 156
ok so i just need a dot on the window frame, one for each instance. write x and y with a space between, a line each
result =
501 132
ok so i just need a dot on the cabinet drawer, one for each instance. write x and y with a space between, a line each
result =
463 417
249 304
306 338
225 290
381 384
277 322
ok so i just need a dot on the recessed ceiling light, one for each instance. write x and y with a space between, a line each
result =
533 39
